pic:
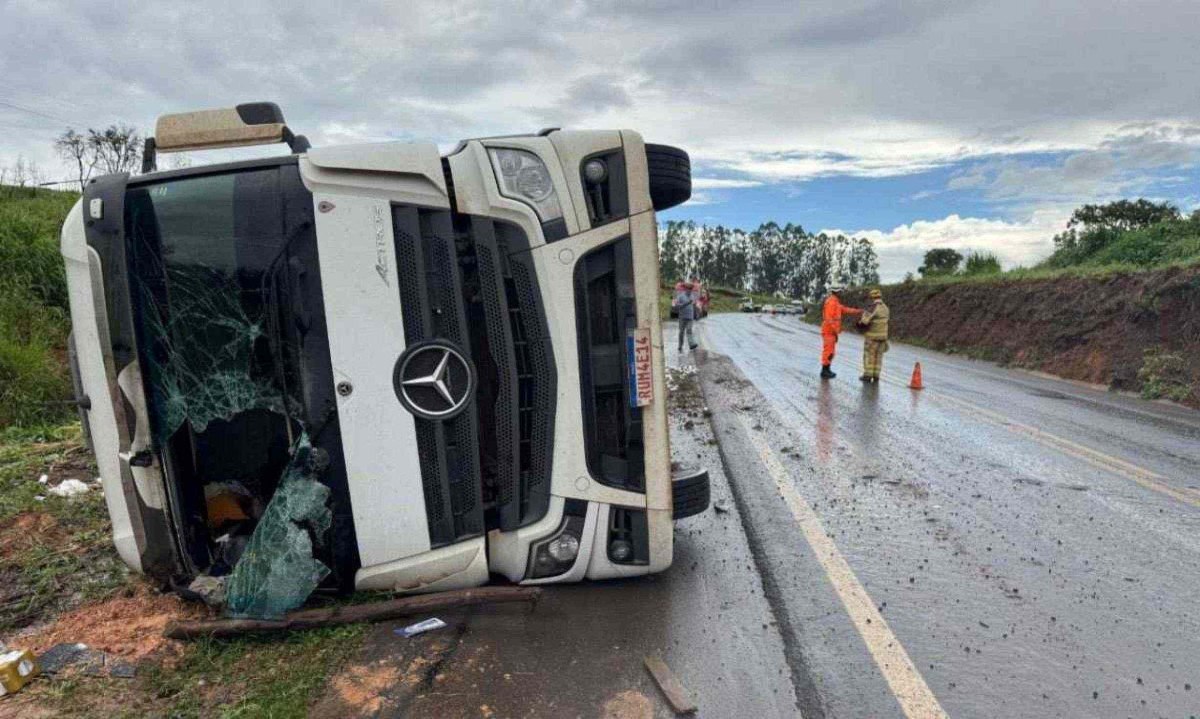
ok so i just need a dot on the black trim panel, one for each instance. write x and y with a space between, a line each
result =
605 314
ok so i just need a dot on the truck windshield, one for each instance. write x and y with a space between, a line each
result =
202 251
205 254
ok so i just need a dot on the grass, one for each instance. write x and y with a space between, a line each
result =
257 677
59 551
34 379
265 676
1025 274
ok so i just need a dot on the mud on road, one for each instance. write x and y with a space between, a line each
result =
1031 545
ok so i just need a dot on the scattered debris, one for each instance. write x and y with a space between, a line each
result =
17 668
69 488
61 657
43 479
676 695
720 506
353 613
210 590
413 630
85 660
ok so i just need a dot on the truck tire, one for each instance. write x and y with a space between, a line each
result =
690 492
670 171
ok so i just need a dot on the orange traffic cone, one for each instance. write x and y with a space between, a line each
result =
915 382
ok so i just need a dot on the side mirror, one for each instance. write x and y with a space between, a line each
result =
253 123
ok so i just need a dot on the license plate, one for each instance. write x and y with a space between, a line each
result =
641 372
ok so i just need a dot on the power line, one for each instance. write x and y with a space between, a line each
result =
22 108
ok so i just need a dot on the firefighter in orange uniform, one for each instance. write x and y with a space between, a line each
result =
831 327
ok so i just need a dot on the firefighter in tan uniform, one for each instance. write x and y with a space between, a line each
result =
875 338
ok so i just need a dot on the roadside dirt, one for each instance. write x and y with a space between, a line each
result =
27 530
1094 329
128 626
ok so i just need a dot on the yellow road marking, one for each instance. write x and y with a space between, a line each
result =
1150 480
906 683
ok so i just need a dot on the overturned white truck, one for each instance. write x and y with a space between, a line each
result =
423 369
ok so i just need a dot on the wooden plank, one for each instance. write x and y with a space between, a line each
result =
676 695
353 613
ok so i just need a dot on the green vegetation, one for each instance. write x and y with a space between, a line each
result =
1165 375
34 380
275 676
1115 238
778 260
981 263
1170 241
940 262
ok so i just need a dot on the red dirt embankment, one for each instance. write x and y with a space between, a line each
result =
1095 329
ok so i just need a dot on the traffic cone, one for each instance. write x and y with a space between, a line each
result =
915 382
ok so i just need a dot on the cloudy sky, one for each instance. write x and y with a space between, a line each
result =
928 123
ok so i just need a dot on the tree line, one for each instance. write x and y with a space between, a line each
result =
780 260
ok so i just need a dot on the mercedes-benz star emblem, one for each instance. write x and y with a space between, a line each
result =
434 380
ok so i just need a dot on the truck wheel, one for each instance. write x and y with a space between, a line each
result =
690 491
670 171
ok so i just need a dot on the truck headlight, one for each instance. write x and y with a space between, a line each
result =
523 176
556 554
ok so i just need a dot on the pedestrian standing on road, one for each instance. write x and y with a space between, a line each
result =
875 338
685 307
831 327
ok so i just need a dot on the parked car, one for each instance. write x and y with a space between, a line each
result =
748 305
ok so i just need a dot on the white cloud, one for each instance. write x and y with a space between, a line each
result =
718 183
773 90
1023 242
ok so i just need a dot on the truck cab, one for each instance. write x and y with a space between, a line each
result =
460 353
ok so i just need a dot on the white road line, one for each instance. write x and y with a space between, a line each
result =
907 684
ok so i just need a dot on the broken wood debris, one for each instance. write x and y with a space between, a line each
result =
676 695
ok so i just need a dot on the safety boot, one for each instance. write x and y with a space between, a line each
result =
827 373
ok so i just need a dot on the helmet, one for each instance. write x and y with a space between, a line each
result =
836 289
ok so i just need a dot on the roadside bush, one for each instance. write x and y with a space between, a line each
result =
981 263
34 379
1165 375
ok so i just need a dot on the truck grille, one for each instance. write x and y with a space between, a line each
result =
516 398
433 307
466 280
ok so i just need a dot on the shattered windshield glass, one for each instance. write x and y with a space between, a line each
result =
203 267
207 254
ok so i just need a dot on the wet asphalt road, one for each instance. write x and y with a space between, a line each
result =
580 653
999 544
